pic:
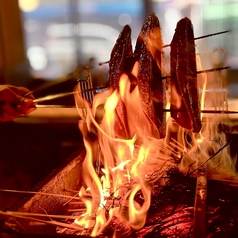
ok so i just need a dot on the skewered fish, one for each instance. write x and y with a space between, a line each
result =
121 50
185 105
117 66
149 79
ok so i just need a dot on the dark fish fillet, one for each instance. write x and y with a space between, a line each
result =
185 104
121 50
117 66
149 79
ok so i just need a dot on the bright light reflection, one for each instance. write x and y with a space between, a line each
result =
83 29
28 5
124 19
37 57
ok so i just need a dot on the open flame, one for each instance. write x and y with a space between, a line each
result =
122 157
125 162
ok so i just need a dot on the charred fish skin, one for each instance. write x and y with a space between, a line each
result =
185 104
120 59
120 51
149 78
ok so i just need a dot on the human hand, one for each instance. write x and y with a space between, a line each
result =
13 104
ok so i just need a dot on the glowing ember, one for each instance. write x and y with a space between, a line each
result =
132 145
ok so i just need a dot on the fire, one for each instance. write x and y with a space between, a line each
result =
121 157
125 162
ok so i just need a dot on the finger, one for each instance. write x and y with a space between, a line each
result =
9 112
21 91
25 110
27 102
6 94
26 106
30 96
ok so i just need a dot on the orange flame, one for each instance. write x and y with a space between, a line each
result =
127 163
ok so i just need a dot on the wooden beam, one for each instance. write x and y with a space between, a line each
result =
12 54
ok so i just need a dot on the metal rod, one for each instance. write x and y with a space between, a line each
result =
213 34
201 37
54 106
168 45
73 75
204 71
165 110
207 111
205 161
51 83
53 96
60 95
212 70
200 205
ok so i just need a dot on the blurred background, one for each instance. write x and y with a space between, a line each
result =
44 40
50 38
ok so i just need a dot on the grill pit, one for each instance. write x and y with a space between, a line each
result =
68 176
221 194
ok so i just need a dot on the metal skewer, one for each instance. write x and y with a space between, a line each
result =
53 96
200 204
73 75
168 45
204 71
54 82
207 111
54 106
201 37
59 95
165 110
